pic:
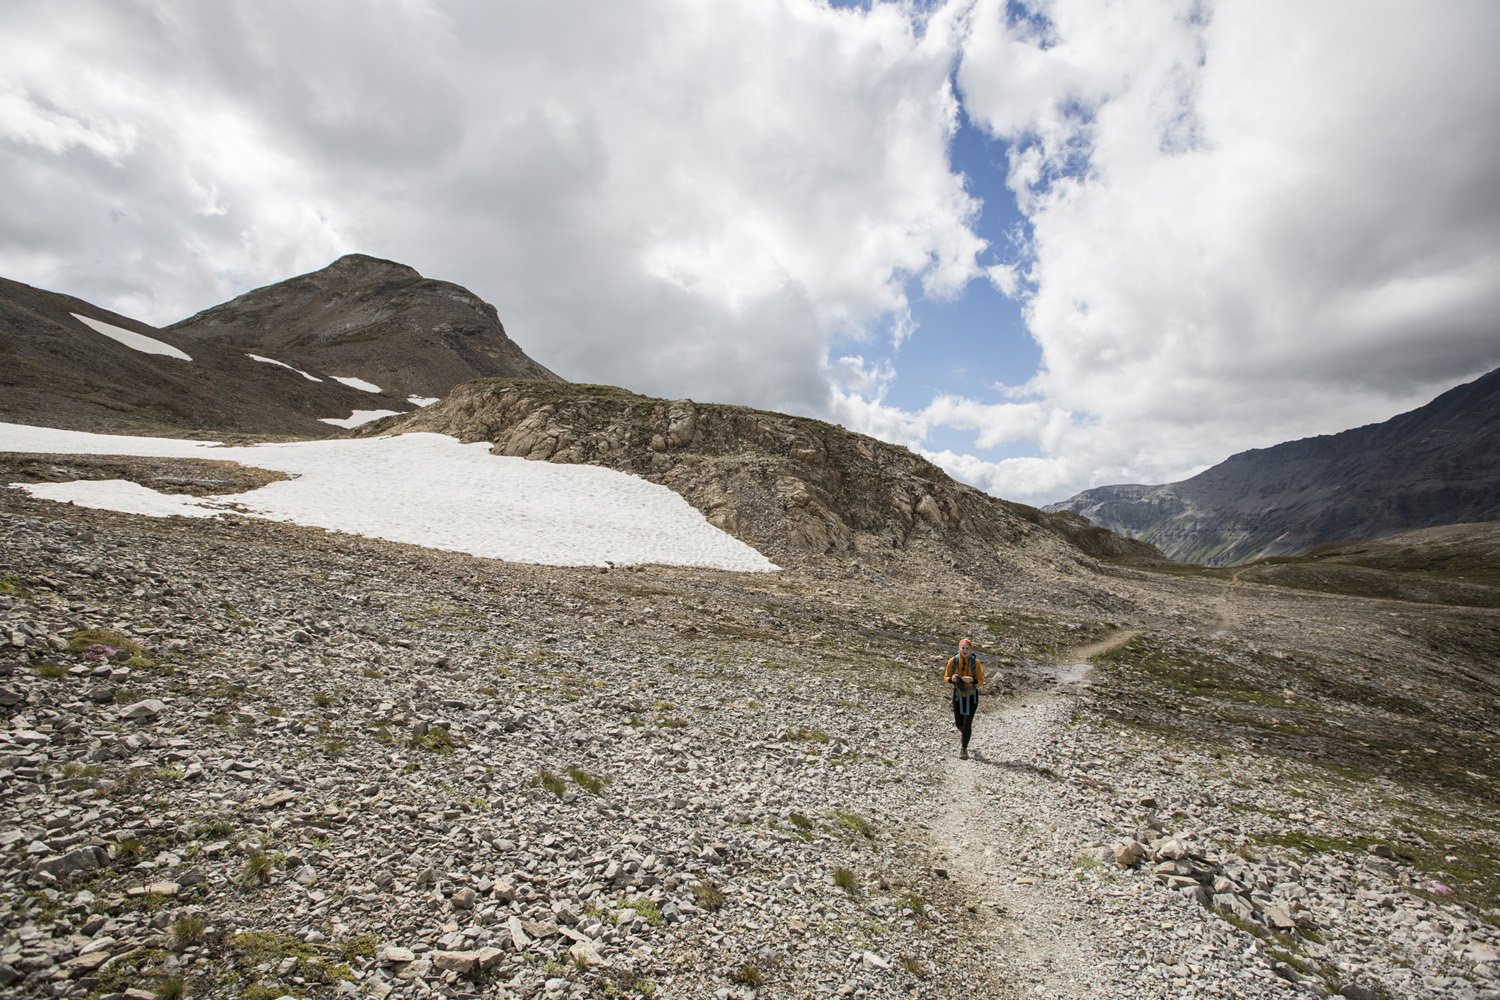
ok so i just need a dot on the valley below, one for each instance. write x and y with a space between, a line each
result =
243 758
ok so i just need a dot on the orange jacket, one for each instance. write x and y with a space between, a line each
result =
967 669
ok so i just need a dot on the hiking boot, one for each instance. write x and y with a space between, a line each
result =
963 753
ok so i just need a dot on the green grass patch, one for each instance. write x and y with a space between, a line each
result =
591 783
551 782
852 823
708 896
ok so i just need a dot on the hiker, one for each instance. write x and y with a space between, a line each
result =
966 674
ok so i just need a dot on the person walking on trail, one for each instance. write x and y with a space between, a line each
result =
966 674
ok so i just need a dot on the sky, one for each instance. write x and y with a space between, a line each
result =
422 489
1049 244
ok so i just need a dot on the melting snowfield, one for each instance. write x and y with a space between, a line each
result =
423 489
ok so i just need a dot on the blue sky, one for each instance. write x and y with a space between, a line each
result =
976 342
1049 244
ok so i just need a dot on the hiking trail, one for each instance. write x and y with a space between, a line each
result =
991 830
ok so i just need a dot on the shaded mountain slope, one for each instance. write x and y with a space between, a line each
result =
373 319
1455 564
790 486
1439 464
56 371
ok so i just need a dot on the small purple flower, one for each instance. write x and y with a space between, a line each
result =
99 651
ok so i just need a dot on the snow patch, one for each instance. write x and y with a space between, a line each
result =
357 383
131 339
358 417
426 489
121 495
273 361
421 400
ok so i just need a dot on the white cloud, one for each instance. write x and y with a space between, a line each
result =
1251 221
1247 221
686 198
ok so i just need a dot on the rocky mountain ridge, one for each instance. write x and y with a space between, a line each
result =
1438 464
56 371
382 320
792 487
394 338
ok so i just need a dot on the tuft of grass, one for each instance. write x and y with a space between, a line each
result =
258 867
81 640
708 896
356 948
589 782
647 911
801 734
214 829
846 880
11 585
748 974
853 823
436 740
170 988
186 932
546 779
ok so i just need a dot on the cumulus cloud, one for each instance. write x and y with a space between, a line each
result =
1244 221
1250 221
687 198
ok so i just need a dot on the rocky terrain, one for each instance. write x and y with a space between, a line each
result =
1433 466
57 372
403 339
373 318
249 759
792 487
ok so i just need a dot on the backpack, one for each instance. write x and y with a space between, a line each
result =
966 695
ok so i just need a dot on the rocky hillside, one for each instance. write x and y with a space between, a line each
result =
1439 464
242 758
791 487
56 371
374 319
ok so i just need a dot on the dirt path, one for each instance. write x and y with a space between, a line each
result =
995 828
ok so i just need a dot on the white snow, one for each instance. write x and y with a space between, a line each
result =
358 417
131 339
356 383
273 361
425 489
121 495
421 400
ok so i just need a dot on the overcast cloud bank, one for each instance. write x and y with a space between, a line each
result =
1244 221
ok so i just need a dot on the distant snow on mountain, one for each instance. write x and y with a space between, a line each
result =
273 361
356 383
131 339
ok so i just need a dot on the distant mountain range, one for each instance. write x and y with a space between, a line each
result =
266 363
1437 465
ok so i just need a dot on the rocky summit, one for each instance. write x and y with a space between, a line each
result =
376 319
242 758
1437 465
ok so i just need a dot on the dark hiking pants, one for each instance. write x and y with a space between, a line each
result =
964 708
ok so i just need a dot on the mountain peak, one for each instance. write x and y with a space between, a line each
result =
376 319
360 265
